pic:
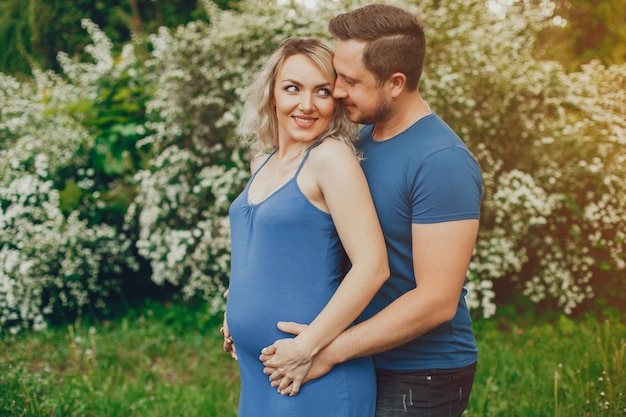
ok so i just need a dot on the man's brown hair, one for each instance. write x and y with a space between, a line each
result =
395 40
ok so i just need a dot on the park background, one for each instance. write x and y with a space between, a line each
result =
119 159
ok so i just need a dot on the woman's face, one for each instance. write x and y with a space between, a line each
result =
303 100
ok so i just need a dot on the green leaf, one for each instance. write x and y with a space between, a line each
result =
70 197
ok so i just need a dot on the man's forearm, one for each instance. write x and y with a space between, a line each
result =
406 319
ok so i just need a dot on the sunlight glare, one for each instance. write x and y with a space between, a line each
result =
309 4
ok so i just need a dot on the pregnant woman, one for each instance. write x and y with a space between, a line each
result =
306 242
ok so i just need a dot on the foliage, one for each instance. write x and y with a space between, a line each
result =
166 359
14 31
583 31
61 250
34 32
550 144
122 168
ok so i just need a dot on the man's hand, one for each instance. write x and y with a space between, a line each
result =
320 366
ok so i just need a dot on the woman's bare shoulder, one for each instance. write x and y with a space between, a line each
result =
333 150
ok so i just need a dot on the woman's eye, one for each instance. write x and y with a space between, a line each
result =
292 89
325 92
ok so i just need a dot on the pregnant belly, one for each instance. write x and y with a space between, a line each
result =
252 316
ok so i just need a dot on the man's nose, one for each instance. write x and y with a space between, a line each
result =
339 90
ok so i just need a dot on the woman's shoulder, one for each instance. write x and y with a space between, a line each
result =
331 155
334 147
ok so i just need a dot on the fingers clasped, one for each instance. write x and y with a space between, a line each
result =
285 382
285 386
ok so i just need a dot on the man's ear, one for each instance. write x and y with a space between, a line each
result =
398 83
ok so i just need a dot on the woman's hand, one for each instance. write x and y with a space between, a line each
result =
290 361
229 345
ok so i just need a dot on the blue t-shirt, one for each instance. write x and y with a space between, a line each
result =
424 175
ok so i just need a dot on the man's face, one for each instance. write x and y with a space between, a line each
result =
365 101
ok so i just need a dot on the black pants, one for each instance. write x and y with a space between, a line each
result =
432 393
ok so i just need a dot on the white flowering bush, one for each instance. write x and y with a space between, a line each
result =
481 77
551 150
50 262
58 254
122 162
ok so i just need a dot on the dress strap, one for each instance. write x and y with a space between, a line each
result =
263 164
306 155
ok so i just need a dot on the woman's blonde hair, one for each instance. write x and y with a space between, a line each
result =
259 123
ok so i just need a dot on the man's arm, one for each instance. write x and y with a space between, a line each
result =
441 256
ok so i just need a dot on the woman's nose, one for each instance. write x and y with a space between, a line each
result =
306 102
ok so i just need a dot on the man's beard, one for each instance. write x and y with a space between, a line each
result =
381 113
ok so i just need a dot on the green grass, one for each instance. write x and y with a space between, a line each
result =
166 360
563 368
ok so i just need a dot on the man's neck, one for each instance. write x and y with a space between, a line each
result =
403 118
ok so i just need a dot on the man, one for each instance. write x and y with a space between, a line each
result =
427 191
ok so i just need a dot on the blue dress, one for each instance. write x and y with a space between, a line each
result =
287 261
